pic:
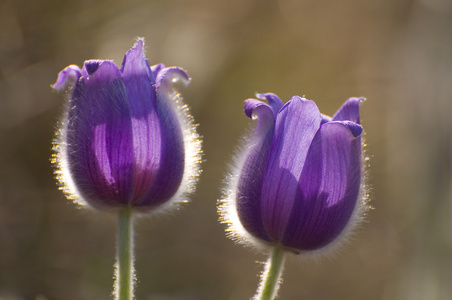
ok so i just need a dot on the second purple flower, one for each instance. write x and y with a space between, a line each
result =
298 180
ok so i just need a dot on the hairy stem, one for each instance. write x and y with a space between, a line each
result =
125 277
270 278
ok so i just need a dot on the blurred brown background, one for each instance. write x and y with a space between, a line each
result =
398 54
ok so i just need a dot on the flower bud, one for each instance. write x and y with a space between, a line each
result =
298 179
125 139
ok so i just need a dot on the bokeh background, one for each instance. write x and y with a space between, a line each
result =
397 54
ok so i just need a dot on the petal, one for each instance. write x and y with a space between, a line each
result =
67 77
91 66
252 104
349 111
273 100
136 64
155 69
296 125
355 128
328 189
146 128
171 154
249 185
168 76
325 119
100 149
274 104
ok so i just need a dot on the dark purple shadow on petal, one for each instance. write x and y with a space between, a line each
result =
328 189
172 149
355 128
249 186
171 162
146 128
91 66
296 125
100 149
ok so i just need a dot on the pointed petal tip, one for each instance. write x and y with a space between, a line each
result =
135 62
349 111
139 43
357 99
67 77
138 46
136 51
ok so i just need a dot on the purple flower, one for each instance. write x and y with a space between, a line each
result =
298 180
125 139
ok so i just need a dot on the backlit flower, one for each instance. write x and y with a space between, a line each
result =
297 182
126 139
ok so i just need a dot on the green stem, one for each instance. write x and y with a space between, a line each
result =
125 259
270 279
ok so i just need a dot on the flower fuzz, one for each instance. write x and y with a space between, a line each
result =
298 178
126 139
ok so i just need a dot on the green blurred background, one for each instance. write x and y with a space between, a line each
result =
398 54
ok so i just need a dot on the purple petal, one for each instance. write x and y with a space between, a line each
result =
135 62
67 77
296 125
91 66
274 102
168 76
349 111
328 189
146 129
355 128
100 148
325 119
249 187
253 108
156 69
171 153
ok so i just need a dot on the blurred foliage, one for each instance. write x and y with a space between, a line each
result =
398 54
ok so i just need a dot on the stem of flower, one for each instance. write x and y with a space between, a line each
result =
271 276
125 276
